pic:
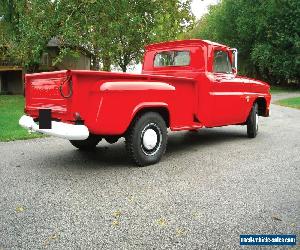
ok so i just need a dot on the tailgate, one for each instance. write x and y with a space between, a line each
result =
48 91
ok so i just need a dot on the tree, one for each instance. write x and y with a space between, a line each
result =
114 32
117 31
29 25
277 48
266 32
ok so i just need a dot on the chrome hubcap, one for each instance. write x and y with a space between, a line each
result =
150 139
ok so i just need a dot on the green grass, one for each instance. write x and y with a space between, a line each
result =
11 109
278 89
290 102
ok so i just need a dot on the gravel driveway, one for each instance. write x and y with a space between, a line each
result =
210 187
284 95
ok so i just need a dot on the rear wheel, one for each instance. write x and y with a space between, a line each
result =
146 139
87 144
252 122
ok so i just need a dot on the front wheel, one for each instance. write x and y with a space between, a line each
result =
146 139
252 122
87 144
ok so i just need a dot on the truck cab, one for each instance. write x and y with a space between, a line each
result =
184 85
223 97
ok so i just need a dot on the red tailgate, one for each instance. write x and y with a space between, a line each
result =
48 91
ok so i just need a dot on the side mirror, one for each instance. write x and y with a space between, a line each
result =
234 71
234 61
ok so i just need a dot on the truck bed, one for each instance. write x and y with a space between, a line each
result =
72 92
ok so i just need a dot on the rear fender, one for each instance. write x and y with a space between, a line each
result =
151 106
139 85
121 101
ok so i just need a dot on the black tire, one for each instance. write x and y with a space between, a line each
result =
252 122
88 144
143 146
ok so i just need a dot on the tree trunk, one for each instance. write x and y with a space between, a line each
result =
106 63
123 67
95 63
123 62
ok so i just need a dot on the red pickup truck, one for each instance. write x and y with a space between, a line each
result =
185 85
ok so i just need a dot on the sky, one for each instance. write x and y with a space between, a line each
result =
200 7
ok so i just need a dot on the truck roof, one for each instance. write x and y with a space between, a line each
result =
181 43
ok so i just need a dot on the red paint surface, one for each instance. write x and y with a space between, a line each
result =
107 102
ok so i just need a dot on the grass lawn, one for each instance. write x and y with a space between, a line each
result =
11 109
290 102
276 89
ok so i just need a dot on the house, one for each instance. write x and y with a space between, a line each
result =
12 74
11 77
82 61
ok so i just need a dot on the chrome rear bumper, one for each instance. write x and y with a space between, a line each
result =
58 129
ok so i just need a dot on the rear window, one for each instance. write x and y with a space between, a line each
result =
172 58
221 62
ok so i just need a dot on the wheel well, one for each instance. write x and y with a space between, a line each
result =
164 112
262 106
